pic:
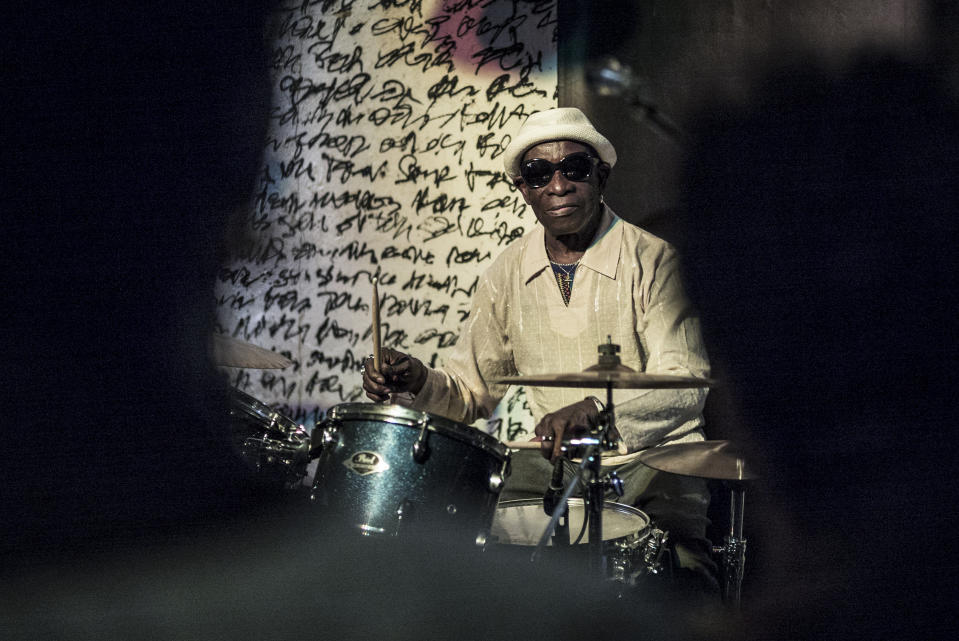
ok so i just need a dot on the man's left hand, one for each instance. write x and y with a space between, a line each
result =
571 421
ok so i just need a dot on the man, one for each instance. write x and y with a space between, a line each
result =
548 302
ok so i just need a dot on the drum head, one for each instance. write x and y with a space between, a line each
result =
522 522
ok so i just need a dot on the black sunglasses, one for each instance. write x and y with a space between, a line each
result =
576 167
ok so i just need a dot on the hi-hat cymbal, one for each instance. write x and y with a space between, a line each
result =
231 352
599 378
719 460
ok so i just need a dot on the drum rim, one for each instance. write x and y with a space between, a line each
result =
271 419
400 415
621 508
576 500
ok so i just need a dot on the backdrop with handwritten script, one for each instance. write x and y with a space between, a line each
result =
384 160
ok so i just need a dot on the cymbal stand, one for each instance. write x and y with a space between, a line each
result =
734 548
597 486
608 360
595 491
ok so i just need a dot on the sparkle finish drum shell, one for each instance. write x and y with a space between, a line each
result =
389 470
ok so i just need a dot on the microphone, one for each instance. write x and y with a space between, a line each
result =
555 489
607 76
551 499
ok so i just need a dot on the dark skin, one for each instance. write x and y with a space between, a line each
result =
398 373
570 213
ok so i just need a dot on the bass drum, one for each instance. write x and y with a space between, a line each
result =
275 446
387 470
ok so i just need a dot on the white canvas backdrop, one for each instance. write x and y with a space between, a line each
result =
384 159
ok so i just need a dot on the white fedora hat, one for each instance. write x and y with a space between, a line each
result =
562 123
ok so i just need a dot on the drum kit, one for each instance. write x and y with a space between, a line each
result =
389 471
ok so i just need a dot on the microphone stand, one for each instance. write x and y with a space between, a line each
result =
553 492
609 77
596 486
558 512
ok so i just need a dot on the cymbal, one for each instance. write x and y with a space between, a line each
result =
719 460
602 378
231 352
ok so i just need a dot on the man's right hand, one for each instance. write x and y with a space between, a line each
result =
399 373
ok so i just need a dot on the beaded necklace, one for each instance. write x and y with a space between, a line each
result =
564 273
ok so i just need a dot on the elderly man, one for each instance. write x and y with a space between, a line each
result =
546 304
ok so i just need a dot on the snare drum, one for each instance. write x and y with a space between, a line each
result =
389 470
627 535
274 445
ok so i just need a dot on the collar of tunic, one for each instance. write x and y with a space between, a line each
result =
602 255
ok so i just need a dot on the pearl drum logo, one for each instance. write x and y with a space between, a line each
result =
364 463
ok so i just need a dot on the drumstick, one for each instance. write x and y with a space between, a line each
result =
535 445
523 445
376 326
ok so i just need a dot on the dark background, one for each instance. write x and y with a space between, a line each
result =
812 193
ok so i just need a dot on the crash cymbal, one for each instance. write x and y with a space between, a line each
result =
600 378
231 352
719 460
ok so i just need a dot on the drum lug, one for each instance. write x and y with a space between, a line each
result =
481 539
653 551
615 483
421 448
326 434
498 479
331 434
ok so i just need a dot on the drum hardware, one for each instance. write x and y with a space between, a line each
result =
650 549
604 374
421 449
653 551
560 510
615 483
608 373
324 435
590 445
595 490
722 461
733 553
275 446
497 480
